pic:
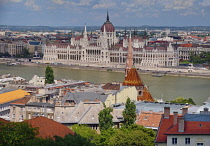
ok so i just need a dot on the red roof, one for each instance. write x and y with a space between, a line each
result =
21 101
49 128
108 26
133 79
186 45
191 127
149 119
2 121
165 124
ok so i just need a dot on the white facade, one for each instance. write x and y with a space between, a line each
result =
189 140
108 51
37 81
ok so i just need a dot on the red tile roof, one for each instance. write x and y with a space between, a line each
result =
186 45
133 79
49 128
191 127
21 101
165 124
146 96
2 121
111 86
149 119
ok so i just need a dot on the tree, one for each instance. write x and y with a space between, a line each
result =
133 135
16 133
49 77
84 131
183 100
129 113
105 119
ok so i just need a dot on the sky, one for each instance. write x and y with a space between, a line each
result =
93 12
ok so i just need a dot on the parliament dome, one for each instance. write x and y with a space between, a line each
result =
108 25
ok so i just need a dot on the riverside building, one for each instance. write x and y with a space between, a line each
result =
107 50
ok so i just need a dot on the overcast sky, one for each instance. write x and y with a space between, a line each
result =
93 12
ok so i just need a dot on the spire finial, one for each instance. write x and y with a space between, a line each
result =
107 17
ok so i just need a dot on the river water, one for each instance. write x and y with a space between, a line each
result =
166 87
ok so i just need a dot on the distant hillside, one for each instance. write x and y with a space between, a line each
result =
93 28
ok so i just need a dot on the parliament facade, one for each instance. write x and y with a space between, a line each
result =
106 50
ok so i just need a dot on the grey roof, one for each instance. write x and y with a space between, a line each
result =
40 104
34 43
4 90
83 111
155 106
197 117
117 115
81 96
91 115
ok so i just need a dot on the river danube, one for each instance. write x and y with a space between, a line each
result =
166 87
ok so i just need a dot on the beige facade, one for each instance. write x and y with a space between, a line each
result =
16 48
121 96
17 113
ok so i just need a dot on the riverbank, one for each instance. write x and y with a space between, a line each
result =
162 71
166 88
175 71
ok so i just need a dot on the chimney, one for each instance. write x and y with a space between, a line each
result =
184 111
86 100
180 124
175 118
206 110
166 112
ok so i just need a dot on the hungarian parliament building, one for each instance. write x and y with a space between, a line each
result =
107 50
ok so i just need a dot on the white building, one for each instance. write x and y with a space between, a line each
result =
108 51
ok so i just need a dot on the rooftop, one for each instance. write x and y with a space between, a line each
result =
12 95
49 128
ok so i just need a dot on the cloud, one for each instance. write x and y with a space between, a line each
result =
31 4
58 1
77 3
104 4
189 13
205 3
15 1
51 8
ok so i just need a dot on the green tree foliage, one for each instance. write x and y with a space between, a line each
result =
203 57
183 100
105 119
104 138
16 133
133 135
84 131
6 54
68 140
49 76
129 113
24 54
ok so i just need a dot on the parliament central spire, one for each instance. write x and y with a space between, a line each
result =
129 60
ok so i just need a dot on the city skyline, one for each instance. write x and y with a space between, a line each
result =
93 12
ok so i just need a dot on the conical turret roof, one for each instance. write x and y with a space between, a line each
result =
132 78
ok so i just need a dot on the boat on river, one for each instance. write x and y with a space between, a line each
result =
157 75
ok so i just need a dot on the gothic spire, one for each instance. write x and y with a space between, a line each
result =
107 17
85 32
129 60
